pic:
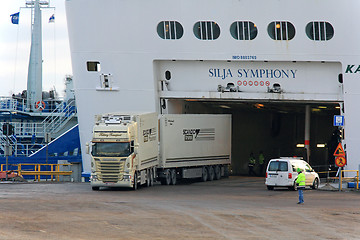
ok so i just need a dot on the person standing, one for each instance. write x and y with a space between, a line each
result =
300 180
251 164
261 163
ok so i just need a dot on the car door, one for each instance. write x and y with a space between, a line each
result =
278 173
309 174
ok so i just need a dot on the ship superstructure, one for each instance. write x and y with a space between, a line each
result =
34 123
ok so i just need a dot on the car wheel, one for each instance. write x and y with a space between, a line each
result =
315 184
270 187
294 187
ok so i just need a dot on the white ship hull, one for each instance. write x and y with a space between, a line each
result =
120 41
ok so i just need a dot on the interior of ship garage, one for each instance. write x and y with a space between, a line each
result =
275 128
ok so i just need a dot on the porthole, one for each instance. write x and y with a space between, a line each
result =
167 75
319 31
243 30
170 30
206 30
281 30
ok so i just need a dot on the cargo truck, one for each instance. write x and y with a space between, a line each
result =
129 150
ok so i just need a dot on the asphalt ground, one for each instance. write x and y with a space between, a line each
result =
232 208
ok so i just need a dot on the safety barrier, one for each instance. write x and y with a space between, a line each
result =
349 179
39 170
346 179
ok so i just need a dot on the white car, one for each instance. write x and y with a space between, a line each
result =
281 172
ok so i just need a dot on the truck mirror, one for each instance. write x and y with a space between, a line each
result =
87 148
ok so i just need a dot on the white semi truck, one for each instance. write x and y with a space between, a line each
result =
129 150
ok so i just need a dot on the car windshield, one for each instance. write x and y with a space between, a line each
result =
109 149
278 166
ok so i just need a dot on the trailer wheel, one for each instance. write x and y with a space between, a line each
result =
148 178
204 174
173 176
211 173
217 172
168 177
151 177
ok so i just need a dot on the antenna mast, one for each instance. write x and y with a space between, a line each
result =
34 81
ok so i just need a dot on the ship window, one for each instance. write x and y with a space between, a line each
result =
168 75
243 30
170 30
93 66
206 30
281 30
319 31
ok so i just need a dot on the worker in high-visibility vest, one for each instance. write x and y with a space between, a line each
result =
261 163
251 164
300 181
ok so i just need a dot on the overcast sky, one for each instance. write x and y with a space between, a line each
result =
15 43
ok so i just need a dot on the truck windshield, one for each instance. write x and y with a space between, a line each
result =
108 149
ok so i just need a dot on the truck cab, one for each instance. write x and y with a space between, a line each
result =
115 158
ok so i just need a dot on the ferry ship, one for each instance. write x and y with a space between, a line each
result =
37 126
287 71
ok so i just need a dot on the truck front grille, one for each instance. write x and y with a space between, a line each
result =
110 170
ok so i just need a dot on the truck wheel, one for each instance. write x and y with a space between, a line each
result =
135 186
151 178
217 172
211 173
226 171
204 174
95 188
173 176
168 177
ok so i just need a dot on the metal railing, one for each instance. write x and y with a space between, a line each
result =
38 170
19 104
54 122
349 179
59 113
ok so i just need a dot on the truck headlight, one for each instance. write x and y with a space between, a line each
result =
93 177
127 177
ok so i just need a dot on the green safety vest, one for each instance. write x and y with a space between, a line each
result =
261 159
301 179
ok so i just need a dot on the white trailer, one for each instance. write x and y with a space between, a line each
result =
126 151
194 146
